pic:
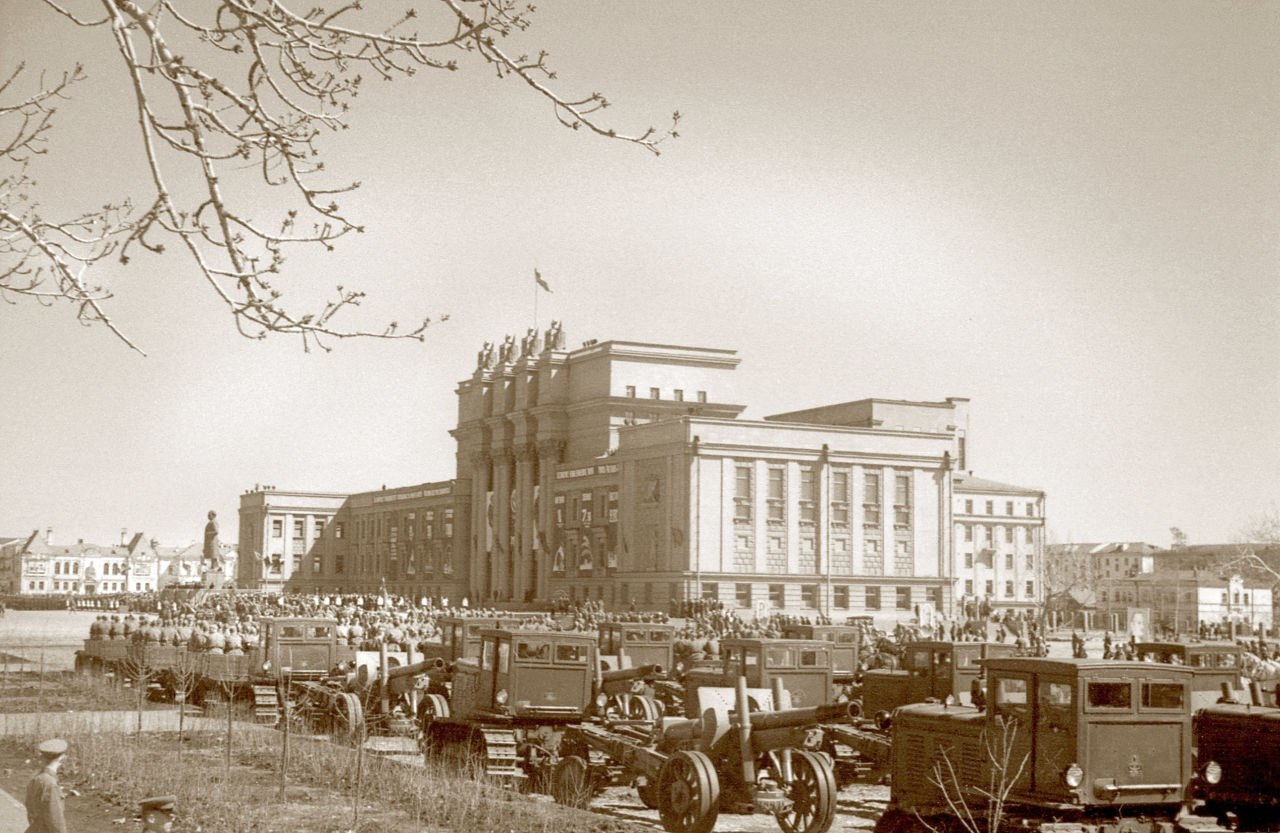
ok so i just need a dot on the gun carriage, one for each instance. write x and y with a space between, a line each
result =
625 645
741 756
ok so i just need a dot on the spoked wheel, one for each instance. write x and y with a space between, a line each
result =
688 793
348 722
570 784
643 708
812 791
431 738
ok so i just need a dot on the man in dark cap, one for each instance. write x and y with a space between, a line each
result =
44 796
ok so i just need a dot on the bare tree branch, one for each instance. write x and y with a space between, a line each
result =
231 97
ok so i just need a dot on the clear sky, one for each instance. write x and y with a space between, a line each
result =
1066 212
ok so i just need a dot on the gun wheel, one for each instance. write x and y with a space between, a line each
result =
643 708
348 723
688 793
569 783
812 791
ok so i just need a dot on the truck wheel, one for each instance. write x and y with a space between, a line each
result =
649 795
688 793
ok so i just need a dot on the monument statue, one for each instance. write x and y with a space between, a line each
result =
555 336
529 344
507 353
211 554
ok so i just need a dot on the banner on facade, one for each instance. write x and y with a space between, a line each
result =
557 563
584 556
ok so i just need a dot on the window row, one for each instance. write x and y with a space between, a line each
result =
989 589
841 496
1029 508
1029 561
677 394
982 534
874 596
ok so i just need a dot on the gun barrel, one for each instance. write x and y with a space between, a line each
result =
830 713
639 672
416 668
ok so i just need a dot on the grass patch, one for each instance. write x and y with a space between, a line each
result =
320 793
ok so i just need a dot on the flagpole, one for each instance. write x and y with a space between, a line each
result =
535 302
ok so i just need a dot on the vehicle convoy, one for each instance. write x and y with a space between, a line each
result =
1095 746
1216 667
741 756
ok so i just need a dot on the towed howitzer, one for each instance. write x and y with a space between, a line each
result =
400 679
744 761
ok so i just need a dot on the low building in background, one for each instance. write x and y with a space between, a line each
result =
1183 599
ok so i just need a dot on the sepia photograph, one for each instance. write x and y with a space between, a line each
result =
489 416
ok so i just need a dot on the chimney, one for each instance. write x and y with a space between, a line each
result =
123 533
48 535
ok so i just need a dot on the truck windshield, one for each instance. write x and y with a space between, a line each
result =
778 657
1109 695
569 652
1162 696
533 650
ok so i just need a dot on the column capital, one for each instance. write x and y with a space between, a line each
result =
525 452
551 448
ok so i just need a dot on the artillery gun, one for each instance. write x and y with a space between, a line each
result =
352 704
735 760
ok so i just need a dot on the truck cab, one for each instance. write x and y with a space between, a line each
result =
526 675
307 647
632 644
1213 665
460 636
845 641
803 666
930 669
1094 734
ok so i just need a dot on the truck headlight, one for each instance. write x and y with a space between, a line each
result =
1073 776
602 700
1212 772
501 697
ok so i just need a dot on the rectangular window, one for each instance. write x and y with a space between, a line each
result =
904 598
902 501
298 526
1008 507
840 497
631 391
809 595
968 587
702 396
808 495
1008 561
1031 510
777 595
777 494
990 588
742 594
968 559
655 393
339 529
743 493
991 507
317 528
871 499
1008 589
968 532
1008 535
873 598
1163 696
277 527
968 507
1031 589
1108 695
678 395
710 590
840 597
339 563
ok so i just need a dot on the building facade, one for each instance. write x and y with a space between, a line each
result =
622 472
1182 599
999 535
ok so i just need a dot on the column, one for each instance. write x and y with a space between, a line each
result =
503 558
526 454
549 454
478 550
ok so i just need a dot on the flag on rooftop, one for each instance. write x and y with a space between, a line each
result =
537 277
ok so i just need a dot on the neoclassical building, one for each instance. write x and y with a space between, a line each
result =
623 472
